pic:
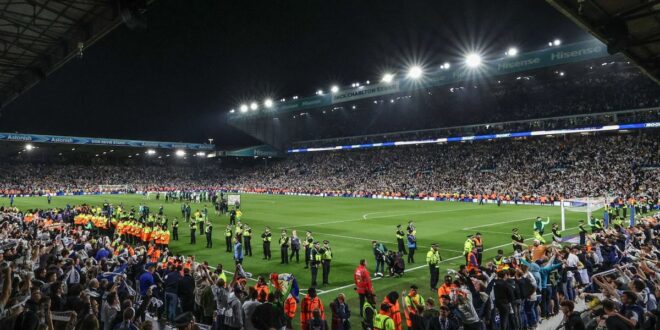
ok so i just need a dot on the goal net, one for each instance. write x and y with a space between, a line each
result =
114 187
586 205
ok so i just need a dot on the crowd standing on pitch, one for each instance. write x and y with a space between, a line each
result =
110 267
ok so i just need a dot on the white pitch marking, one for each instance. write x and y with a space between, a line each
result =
426 266
497 223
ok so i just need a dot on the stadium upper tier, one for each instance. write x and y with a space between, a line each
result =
580 90
569 166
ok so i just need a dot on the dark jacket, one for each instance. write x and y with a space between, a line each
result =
503 292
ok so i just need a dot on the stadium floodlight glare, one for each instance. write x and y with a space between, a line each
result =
268 103
415 72
29 147
151 152
200 153
513 51
232 111
334 89
254 106
180 153
556 42
387 78
244 108
319 92
473 60
445 66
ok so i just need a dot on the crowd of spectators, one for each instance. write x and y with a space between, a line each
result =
571 166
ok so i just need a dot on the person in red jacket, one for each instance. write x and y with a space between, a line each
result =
363 284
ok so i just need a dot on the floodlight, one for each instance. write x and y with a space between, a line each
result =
334 89
513 51
180 153
445 66
254 106
415 72
387 78
268 103
473 60
201 153
151 152
29 147
561 74
232 111
556 42
319 92
244 108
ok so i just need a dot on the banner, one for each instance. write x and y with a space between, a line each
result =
55 139
367 91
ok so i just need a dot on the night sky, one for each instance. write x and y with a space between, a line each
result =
176 79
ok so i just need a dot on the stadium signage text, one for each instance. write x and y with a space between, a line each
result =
54 139
365 92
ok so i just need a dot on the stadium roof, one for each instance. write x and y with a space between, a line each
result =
39 36
628 26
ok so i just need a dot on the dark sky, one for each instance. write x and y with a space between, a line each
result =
174 80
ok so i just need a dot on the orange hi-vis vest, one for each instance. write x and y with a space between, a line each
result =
394 313
290 306
308 306
261 287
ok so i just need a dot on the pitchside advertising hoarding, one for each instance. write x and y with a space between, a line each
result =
53 139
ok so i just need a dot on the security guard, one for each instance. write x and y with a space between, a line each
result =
209 231
539 225
307 244
479 244
200 221
315 262
175 229
382 321
433 260
247 240
326 258
400 236
266 237
583 232
228 241
284 248
193 228
467 247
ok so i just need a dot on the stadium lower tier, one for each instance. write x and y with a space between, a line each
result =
566 166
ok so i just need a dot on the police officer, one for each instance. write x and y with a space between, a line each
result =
326 258
315 261
284 248
228 241
517 240
433 260
467 247
193 228
175 229
400 236
266 237
209 231
307 244
247 240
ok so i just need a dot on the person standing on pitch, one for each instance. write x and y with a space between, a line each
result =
247 240
193 228
238 251
479 244
315 262
307 244
175 229
539 225
433 260
266 237
228 241
326 258
284 248
363 285
467 247
295 246
412 246
411 228
380 251
209 232
400 235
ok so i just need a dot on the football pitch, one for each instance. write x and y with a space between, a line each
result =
350 224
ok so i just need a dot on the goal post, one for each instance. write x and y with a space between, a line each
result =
586 205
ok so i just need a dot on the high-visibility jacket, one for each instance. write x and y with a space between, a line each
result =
290 306
433 258
412 303
261 287
383 322
472 262
307 306
445 289
467 246
166 237
394 312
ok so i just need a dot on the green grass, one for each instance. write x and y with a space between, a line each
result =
349 224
